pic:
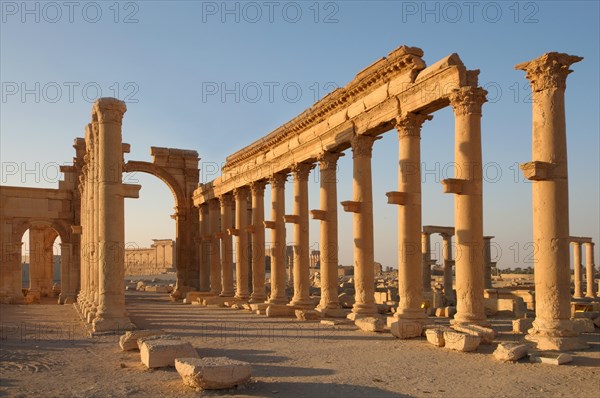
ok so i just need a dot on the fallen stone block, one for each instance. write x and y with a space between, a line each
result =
435 337
346 300
406 329
450 312
440 312
307 315
522 325
487 335
212 373
333 322
370 324
140 286
597 322
161 352
510 352
128 341
279 310
213 301
583 325
551 359
461 341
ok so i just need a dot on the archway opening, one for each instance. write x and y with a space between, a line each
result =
40 263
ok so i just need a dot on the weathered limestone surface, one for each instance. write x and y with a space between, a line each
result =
461 341
161 352
510 352
212 373
370 324
435 337
406 328
522 325
128 341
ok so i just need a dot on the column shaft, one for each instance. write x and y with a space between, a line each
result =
215 247
204 248
241 249
448 262
258 242
589 270
426 259
278 244
226 246
577 269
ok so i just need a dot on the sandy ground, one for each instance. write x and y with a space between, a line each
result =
45 352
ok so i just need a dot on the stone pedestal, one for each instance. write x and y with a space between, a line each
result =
552 329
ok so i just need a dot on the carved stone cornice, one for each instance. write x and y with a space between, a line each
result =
467 100
301 171
403 59
109 110
278 180
362 145
258 187
328 160
409 125
548 71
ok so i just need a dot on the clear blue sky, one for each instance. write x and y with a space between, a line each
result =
164 57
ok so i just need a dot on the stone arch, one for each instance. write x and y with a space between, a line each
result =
150 168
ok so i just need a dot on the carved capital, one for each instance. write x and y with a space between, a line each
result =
226 200
362 145
467 100
278 180
109 110
301 171
241 193
328 160
258 187
410 124
548 71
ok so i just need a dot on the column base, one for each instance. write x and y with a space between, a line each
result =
557 335
278 301
227 294
302 304
115 325
332 312
469 318
410 314
406 328
257 299
279 310
242 297
66 298
364 309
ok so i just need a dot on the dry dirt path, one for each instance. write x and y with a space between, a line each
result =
44 352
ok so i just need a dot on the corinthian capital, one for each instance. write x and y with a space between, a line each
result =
328 160
410 124
278 180
301 171
362 145
548 71
109 110
467 100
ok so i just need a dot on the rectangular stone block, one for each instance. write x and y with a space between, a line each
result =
522 325
128 341
461 341
435 337
161 352
370 324
583 325
406 329
551 359
307 315
486 335
279 310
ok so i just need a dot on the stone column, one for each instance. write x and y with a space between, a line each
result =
362 207
204 248
37 257
487 259
111 314
328 245
577 269
215 246
408 199
67 290
552 329
426 260
84 263
301 298
589 270
468 204
278 250
226 201
448 263
241 248
258 242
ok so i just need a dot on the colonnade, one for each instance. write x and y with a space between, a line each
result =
590 291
